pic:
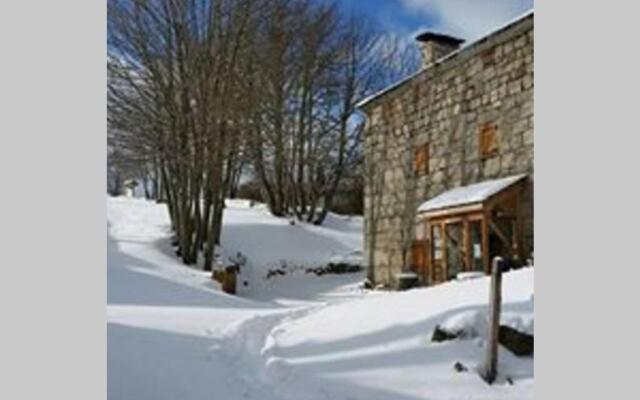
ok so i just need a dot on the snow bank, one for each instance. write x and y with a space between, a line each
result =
378 346
473 323
173 334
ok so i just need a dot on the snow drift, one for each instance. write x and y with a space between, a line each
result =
172 334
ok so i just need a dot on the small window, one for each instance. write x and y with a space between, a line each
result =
436 248
421 160
488 140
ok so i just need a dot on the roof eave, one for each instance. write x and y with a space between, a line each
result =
458 209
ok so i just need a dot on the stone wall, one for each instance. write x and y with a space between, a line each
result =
446 106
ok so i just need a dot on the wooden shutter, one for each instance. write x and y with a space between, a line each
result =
421 160
488 140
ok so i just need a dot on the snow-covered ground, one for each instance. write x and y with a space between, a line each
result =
269 243
172 334
378 346
163 320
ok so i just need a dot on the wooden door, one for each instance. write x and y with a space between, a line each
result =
419 257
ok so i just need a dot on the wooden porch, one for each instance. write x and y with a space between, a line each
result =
462 229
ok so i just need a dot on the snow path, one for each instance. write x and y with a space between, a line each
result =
171 333
166 324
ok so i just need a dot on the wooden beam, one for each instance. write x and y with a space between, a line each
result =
445 262
485 245
451 211
466 245
432 271
427 261
447 220
473 216
425 250
500 234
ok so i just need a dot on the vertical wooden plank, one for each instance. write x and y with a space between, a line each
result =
489 371
428 250
485 244
432 266
421 258
445 263
466 245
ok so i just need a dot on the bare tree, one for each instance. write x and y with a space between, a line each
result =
201 90
173 76
314 64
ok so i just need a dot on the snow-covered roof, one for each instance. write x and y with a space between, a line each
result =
471 194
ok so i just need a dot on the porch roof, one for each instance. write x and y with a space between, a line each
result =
470 194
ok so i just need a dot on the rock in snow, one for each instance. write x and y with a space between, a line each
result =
519 343
441 335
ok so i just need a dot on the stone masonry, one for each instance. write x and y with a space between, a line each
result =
445 106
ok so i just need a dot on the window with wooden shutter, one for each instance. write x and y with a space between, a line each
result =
488 140
421 160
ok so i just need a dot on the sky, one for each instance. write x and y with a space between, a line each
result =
466 19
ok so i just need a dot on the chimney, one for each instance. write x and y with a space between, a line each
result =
434 46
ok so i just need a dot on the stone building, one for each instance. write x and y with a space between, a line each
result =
449 159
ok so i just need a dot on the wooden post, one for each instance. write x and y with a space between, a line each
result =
445 264
485 244
466 245
489 370
428 243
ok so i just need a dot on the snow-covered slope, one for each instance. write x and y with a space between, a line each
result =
378 346
268 242
172 334
170 328
163 319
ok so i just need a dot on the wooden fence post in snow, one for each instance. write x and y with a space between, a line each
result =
489 370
